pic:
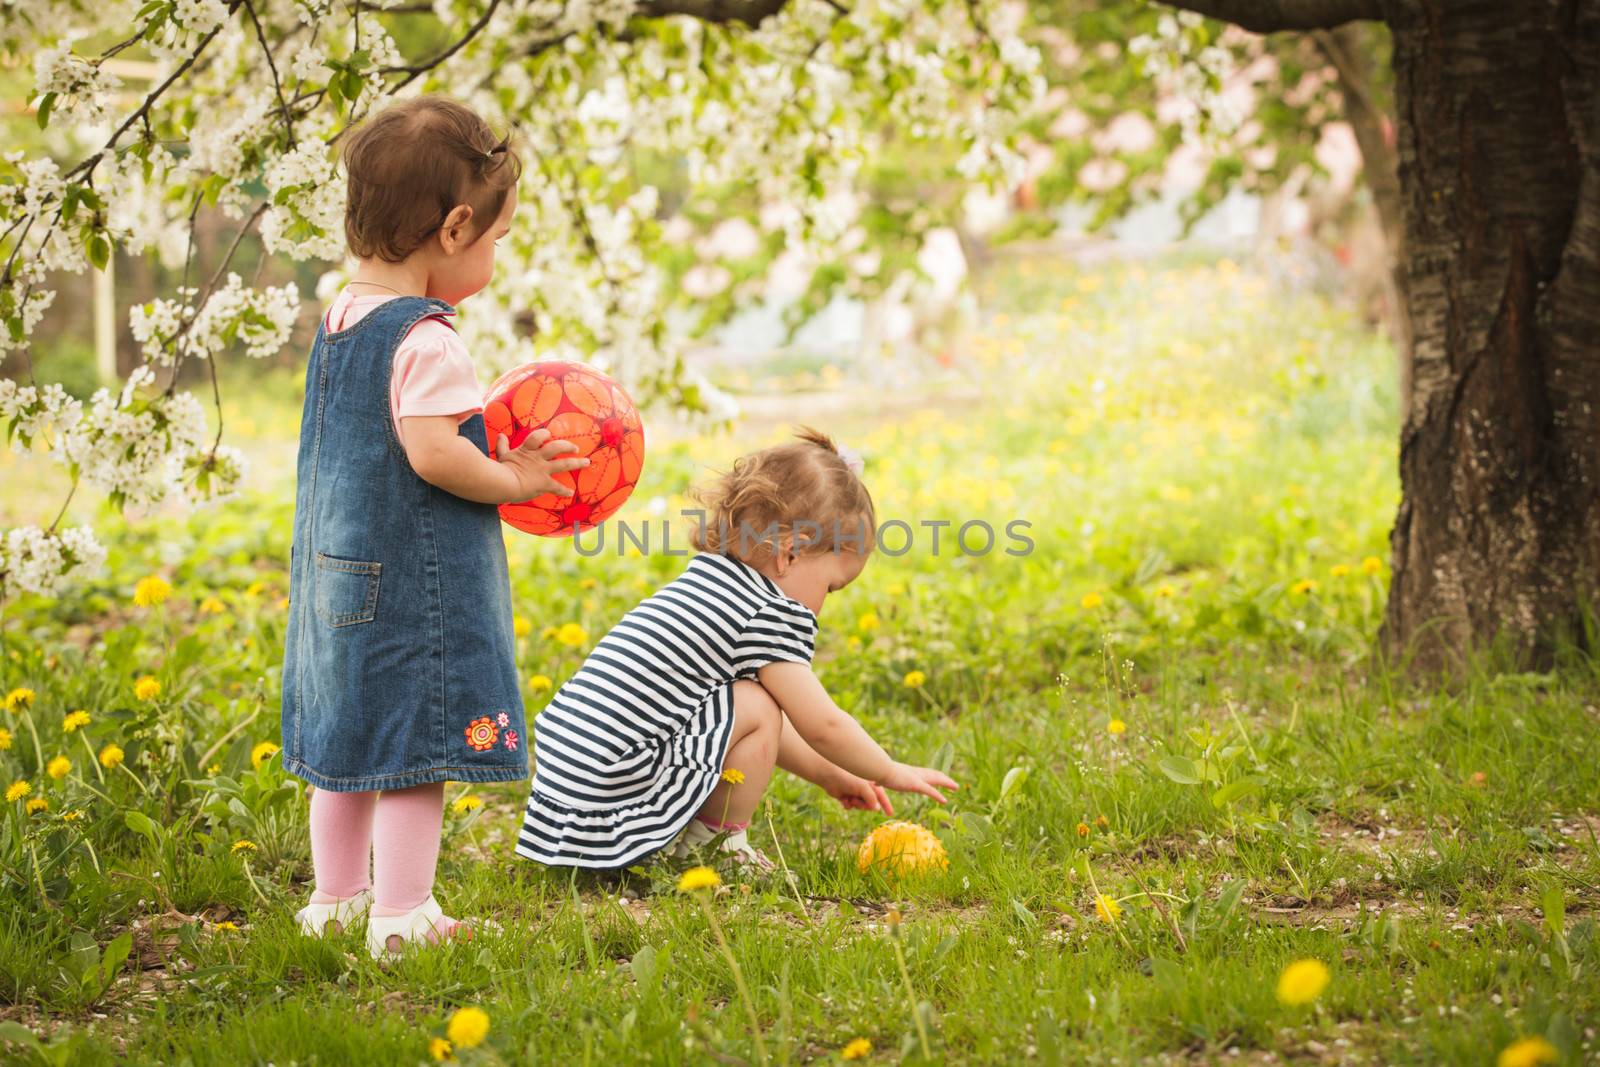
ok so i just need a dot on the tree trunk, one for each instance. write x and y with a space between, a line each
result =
1498 532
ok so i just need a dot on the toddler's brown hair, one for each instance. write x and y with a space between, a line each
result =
802 489
411 164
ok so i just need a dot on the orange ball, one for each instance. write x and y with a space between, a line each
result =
579 404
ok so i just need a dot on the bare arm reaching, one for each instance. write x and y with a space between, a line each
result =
838 738
442 457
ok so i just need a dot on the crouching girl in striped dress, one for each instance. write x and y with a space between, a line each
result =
712 674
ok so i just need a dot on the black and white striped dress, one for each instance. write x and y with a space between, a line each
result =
630 747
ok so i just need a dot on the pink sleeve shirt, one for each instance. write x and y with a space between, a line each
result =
432 375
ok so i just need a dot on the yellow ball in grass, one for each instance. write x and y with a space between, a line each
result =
902 848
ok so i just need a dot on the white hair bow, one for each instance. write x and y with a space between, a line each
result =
853 460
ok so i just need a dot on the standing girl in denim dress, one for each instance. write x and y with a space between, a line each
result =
399 670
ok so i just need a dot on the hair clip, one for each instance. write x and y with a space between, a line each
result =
852 460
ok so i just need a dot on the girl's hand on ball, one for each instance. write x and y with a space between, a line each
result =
859 794
904 778
533 464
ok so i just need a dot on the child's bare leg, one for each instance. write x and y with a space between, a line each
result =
752 751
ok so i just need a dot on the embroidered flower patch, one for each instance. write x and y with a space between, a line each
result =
503 719
481 733
511 740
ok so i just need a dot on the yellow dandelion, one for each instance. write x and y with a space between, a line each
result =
255 589
1339 570
1371 565
147 688
548 632
696 878
1091 601
539 683
860 1048
1101 821
225 927
1302 982
1116 727
243 845
151 591
212 606
463 804
111 756
58 768
914 679
5 739
71 816
467 1027
17 790
263 751
19 699
1528 1052
1165 591
521 627
868 622
36 805
1083 829
441 1050
733 776
571 634
587 583
74 720
1108 910
1304 586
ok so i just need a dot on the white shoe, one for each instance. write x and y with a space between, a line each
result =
315 919
736 843
387 935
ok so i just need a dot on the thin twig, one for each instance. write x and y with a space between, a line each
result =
266 50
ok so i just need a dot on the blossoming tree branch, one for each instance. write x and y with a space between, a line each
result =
775 105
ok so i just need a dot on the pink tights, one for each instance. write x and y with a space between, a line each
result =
396 831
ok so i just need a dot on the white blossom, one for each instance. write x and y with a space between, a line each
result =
33 560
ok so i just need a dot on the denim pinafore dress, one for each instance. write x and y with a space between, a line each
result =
399 661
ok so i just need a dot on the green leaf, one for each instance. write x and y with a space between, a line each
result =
1228 899
116 954
1554 905
643 966
1167 974
99 251
1235 790
1180 769
141 823
48 102
1014 780
18 1034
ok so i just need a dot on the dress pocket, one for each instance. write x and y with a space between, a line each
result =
346 590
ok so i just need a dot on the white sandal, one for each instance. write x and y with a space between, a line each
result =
737 843
315 919
417 926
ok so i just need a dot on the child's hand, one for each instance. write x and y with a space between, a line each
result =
904 778
860 794
533 464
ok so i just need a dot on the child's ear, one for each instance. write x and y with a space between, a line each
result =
453 232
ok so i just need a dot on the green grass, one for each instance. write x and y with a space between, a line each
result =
1191 449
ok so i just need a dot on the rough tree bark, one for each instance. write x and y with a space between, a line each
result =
1498 533
1498 114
